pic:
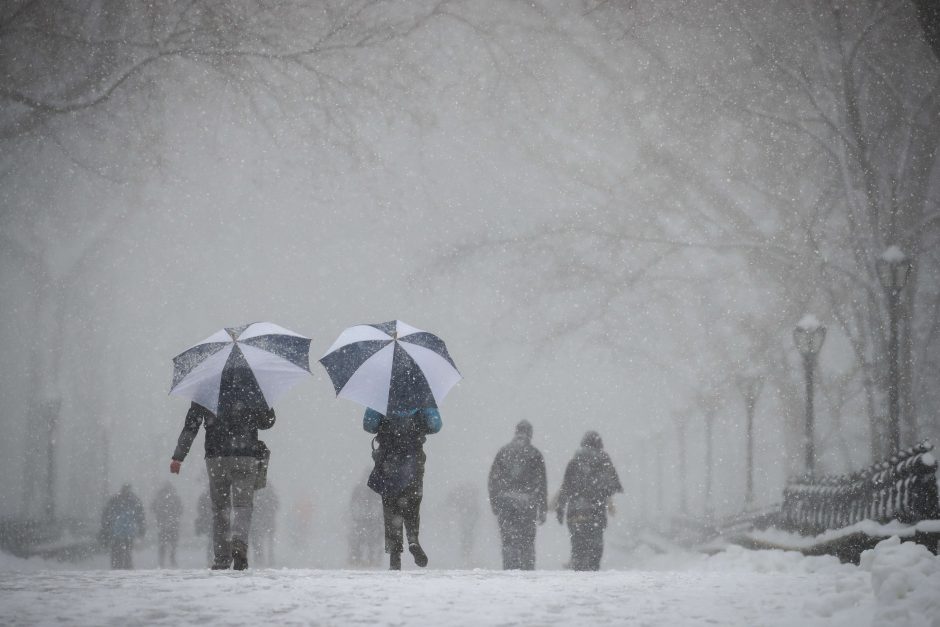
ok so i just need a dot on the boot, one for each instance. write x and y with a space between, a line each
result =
394 561
223 557
239 555
421 558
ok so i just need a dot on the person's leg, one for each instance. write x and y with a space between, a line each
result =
393 529
506 539
596 548
161 551
411 507
242 471
220 494
115 554
527 545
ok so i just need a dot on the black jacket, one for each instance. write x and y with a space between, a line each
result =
590 479
232 433
517 484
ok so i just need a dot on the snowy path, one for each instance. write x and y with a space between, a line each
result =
896 584
420 598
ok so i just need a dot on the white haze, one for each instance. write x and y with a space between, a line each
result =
455 165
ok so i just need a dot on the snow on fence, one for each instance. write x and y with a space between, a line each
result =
847 514
903 488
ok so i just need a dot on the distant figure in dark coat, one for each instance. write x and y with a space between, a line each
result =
122 522
167 508
518 497
590 481
365 527
399 474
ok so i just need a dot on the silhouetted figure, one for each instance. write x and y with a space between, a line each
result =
399 474
464 500
590 481
232 450
167 508
121 523
518 497
264 525
365 527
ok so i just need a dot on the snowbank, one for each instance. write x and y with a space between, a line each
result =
905 578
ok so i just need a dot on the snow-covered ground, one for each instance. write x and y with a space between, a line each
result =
897 584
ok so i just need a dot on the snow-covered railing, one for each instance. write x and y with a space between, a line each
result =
903 488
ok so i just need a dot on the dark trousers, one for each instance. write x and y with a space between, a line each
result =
232 490
518 537
121 553
587 545
403 509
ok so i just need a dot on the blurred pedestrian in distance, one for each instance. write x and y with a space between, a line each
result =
167 508
464 502
585 496
264 525
399 474
518 497
365 530
121 523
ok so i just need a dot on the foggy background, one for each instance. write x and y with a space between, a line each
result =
610 211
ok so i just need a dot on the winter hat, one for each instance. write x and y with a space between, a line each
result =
524 428
592 439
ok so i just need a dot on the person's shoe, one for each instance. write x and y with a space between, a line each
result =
421 558
223 557
394 561
239 555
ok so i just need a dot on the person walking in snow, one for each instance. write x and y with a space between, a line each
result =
121 523
398 475
232 447
167 508
590 481
518 497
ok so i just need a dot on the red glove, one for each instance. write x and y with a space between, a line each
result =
175 466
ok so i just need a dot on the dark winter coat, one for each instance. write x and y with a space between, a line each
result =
590 479
123 517
400 437
231 433
517 484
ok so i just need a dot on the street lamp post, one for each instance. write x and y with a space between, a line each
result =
893 267
750 385
809 336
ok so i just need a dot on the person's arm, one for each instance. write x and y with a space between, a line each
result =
194 418
371 420
563 495
542 496
492 483
432 419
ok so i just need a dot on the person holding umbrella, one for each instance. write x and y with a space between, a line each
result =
233 377
399 373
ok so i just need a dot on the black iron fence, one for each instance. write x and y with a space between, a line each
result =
903 488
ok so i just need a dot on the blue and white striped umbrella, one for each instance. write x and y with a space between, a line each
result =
390 366
250 365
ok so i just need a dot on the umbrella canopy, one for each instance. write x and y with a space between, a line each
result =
250 365
390 366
